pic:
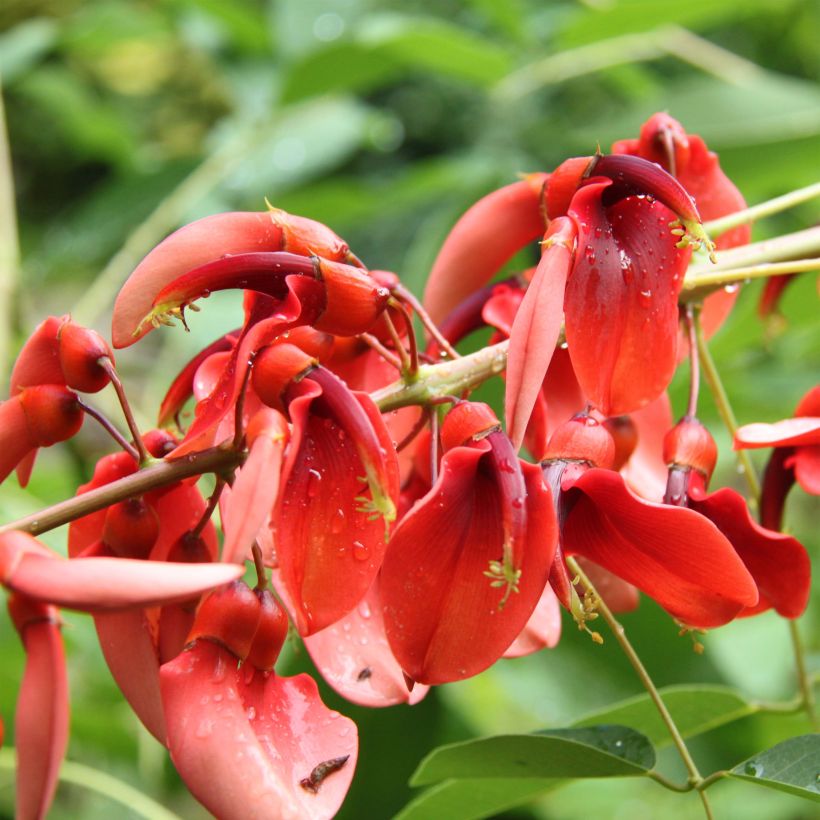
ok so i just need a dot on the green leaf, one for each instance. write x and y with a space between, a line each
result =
24 45
595 751
695 709
792 766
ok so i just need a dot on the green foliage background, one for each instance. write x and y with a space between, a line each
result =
386 120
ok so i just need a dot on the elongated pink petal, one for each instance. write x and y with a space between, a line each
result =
98 584
41 719
245 741
789 432
543 629
354 657
483 239
441 612
624 285
673 554
131 655
778 563
535 329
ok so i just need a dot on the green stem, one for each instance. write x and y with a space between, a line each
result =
103 783
216 460
763 209
724 408
803 679
668 784
695 778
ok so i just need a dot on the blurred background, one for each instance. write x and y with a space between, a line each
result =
386 120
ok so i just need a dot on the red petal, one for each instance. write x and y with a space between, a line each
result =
38 361
243 740
621 300
645 472
789 432
131 655
543 629
778 563
329 549
483 239
441 612
535 329
618 595
673 554
16 442
41 720
806 462
354 657
196 244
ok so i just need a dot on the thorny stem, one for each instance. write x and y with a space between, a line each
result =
724 408
214 460
618 631
110 429
755 212
108 366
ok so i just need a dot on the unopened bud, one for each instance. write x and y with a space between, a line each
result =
229 616
275 368
582 439
131 528
468 421
690 445
270 633
52 412
80 350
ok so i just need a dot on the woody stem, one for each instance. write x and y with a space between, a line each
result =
110 429
116 382
695 778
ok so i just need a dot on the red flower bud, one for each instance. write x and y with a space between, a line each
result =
689 444
582 438
354 299
131 528
468 421
229 616
80 351
275 368
270 633
52 413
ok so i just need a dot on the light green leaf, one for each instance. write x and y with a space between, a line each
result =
792 766
595 751
22 46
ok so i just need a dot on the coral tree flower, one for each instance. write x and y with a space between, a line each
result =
673 554
468 563
778 563
247 742
796 456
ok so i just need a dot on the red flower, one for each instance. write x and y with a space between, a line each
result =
468 563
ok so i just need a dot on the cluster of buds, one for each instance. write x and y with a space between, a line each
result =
407 547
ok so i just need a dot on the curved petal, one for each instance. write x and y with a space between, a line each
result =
673 554
789 432
39 361
535 328
624 284
16 443
252 745
482 240
441 612
806 463
645 472
41 718
353 656
543 629
778 563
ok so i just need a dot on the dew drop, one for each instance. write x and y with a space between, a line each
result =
753 768
338 521
364 609
645 298
314 479
361 552
251 712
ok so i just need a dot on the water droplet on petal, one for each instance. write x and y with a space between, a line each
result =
361 552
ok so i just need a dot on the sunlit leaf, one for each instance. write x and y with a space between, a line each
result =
792 766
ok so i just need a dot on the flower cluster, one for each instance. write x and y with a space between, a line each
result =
407 543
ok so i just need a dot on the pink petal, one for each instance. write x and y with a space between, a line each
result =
354 657
244 741
673 554
789 432
543 629
41 720
483 239
535 329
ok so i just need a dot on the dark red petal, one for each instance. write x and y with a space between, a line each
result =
353 656
243 741
535 330
442 615
621 301
673 554
778 563
483 239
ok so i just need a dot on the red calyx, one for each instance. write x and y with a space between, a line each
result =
270 633
582 439
468 421
228 617
52 413
275 368
690 445
131 528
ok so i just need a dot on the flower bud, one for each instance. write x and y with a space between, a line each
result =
689 444
52 413
468 421
131 528
270 633
582 439
354 300
80 351
229 616
275 368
